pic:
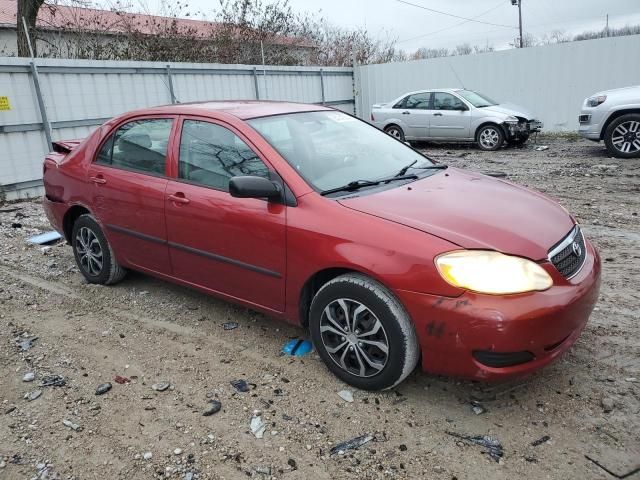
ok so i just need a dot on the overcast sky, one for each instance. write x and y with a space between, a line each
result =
405 22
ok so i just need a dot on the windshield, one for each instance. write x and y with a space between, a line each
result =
331 149
476 99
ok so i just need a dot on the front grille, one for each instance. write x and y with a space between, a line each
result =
584 118
569 254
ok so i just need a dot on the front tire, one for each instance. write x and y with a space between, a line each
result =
362 333
622 136
93 253
490 138
395 131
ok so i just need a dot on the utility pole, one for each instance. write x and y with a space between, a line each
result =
519 4
607 27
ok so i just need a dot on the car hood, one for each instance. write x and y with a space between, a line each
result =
624 91
473 211
511 109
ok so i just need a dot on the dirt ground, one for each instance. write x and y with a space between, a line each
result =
587 404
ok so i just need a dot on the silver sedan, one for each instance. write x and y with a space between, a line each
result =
455 115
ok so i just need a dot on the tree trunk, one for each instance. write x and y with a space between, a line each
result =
29 10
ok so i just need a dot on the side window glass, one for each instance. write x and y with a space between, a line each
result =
210 155
104 155
400 104
446 101
418 101
141 145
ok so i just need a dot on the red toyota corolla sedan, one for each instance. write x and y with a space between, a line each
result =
313 216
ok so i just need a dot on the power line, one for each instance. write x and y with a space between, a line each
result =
452 26
454 16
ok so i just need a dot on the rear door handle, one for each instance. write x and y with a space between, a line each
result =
406 113
437 114
98 180
179 198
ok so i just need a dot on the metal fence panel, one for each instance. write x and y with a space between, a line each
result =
79 95
552 80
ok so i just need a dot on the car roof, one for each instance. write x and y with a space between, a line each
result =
428 90
242 109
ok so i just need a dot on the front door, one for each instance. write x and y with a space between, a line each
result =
127 183
234 246
449 117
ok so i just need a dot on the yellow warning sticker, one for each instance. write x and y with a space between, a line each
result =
4 103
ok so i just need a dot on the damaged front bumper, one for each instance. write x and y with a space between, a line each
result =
522 129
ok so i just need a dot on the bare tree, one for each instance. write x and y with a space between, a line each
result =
27 9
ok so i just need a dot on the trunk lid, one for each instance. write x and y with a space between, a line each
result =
473 211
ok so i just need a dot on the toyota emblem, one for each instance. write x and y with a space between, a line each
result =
577 250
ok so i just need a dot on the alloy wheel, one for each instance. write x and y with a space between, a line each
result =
89 251
354 337
626 137
489 138
395 133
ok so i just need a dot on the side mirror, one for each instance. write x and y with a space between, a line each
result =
253 187
462 108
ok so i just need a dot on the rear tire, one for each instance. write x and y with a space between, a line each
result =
622 136
93 253
362 333
490 137
395 131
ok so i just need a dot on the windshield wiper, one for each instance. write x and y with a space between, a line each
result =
356 184
405 169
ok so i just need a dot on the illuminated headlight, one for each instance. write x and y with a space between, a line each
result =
595 101
492 272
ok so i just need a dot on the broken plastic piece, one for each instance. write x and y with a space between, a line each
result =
230 325
540 441
241 385
25 345
53 381
45 238
352 444
257 426
297 348
121 380
477 407
493 446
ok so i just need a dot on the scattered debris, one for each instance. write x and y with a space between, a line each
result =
257 425
73 426
540 441
177 451
493 446
297 347
121 380
542 148
29 377
31 396
53 381
352 444
230 325
631 379
346 395
16 225
495 174
147 455
608 404
25 345
625 475
213 406
241 385
477 407
262 470
45 238
103 388
160 387
292 463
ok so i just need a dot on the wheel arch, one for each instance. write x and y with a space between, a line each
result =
315 283
70 218
486 123
613 116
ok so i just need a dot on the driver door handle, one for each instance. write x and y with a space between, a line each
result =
406 113
98 179
179 198
437 114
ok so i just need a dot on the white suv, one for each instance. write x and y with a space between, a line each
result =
613 116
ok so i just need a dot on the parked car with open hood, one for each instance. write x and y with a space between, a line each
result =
455 115
313 216
613 116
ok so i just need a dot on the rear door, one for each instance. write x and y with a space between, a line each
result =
449 117
234 246
127 183
415 114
